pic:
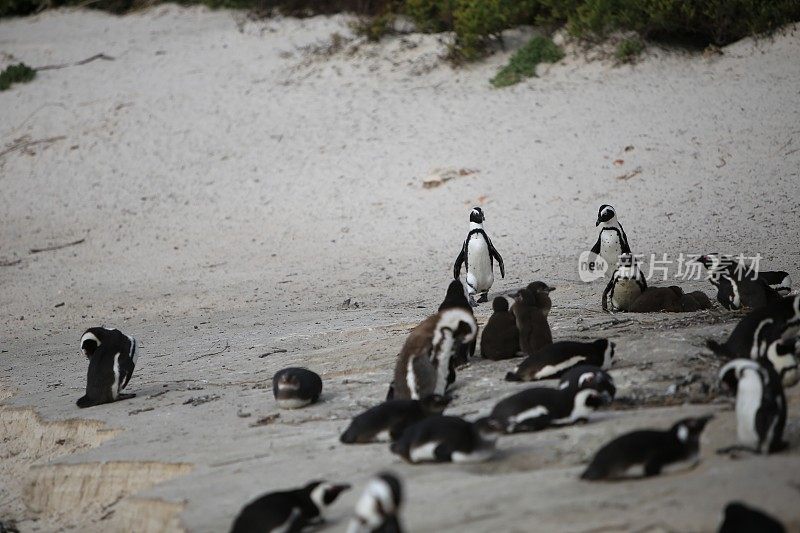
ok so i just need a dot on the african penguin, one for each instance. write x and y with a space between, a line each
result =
540 407
759 328
650 449
530 310
553 360
290 510
423 365
741 518
478 255
392 416
670 299
760 406
500 337
745 293
612 241
781 354
295 387
447 439
582 376
378 508
457 298
627 283
718 265
112 357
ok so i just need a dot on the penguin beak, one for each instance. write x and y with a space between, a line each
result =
550 289
597 223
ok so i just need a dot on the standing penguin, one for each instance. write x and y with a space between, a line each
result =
650 449
477 255
392 416
531 310
500 338
290 510
378 507
295 387
112 357
627 283
457 298
447 439
423 365
760 406
612 241
554 360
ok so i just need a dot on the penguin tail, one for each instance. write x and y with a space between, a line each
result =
592 474
717 348
513 376
348 437
84 402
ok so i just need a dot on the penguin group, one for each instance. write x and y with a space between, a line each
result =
758 360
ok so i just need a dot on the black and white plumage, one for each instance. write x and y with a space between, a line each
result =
782 355
753 335
583 376
296 387
457 297
537 408
423 365
612 241
112 358
530 309
478 255
741 518
500 337
721 265
379 506
447 439
290 510
555 359
745 293
650 449
391 417
760 405
627 283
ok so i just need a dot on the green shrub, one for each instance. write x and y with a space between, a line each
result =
523 63
431 15
628 49
19 73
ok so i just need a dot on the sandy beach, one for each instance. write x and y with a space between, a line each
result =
234 182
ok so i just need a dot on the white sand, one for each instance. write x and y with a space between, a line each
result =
233 189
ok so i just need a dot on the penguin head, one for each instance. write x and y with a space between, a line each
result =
732 372
689 429
500 304
323 494
476 215
287 380
456 322
781 355
605 214
489 428
92 338
456 296
537 294
589 377
435 403
380 500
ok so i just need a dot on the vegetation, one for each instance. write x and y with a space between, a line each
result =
478 24
19 73
628 49
523 63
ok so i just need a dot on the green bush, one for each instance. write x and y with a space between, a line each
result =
628 49
523 63
19 73
431 15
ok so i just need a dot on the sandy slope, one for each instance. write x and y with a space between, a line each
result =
235 183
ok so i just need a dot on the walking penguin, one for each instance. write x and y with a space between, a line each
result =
477 255
612 241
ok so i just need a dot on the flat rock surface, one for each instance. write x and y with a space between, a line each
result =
236 181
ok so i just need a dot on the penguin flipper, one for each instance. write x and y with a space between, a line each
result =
609 289
460 261
494 253
624 240
596 248
717 348
126 366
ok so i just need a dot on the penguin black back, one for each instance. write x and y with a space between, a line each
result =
553 360
378 508
741 518
112 358
393 416
296 387
447 438
651 449
500 338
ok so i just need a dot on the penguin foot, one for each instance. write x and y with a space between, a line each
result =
483 298
733 451
126 396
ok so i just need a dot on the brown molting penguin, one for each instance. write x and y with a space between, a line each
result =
500 338
670 299
531 309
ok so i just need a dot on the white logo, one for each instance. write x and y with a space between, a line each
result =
591 267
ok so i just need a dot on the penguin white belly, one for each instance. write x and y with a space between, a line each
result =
551 370
748 400
625 293
528 414
479 265
610 249
423 452
479 455
443 365
117 380
292 403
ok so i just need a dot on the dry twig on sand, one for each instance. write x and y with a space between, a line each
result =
76 63
56 247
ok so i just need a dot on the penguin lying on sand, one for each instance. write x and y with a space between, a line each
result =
539 407
379 506
447 439
295 387
112 357
477 255
581 376
651 449
530 310
555 359
760 406
719 265
290 510
612 241
500 338
741 518
423 365
392 416
745 293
